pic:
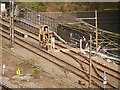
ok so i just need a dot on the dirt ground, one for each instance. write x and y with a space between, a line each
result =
49 75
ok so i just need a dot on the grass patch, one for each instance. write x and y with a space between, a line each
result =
36 72
30 62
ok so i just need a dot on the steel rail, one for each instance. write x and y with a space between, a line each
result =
55 62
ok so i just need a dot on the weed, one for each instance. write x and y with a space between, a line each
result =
36 72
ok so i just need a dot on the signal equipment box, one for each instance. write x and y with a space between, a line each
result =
45 37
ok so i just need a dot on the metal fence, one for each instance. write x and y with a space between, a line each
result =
40 19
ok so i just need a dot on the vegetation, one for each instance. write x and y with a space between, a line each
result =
30 62
67 6
66 72
37 6
36 72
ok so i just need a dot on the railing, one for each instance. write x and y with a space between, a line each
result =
42 20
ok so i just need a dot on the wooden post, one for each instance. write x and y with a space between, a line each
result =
90 62
96 24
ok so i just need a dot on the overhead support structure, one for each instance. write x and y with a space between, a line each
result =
96 26
11 24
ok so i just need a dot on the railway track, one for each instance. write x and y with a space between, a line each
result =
96 69
87 63
100 67
68 64
31 34
113 71
53 59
